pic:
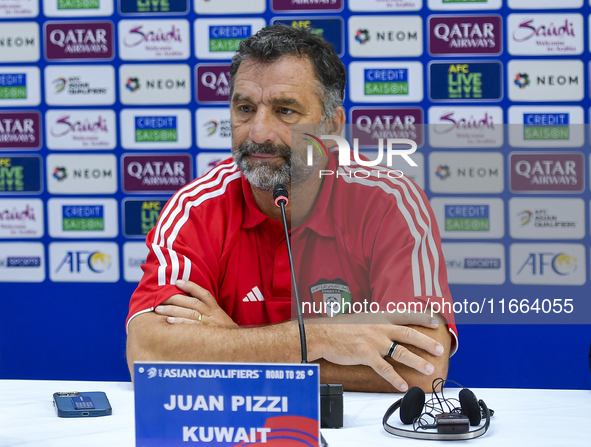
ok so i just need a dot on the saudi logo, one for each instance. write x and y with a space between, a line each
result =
59 84
99 262
132 84
522 80
59 173
443 172
316 142
525 217
564 264
211 127
362 36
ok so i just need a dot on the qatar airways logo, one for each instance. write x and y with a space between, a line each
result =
392 148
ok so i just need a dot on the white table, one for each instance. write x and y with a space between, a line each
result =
522 418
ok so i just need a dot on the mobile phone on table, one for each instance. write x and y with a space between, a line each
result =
74 404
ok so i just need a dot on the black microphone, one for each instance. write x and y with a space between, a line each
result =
331 394
280 197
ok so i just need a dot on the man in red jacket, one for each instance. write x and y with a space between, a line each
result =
217 286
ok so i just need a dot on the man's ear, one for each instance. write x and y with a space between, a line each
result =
337 124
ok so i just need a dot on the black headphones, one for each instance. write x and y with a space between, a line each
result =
451 425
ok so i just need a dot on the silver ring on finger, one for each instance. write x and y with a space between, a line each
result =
392 349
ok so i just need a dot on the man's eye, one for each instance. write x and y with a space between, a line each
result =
245 109
285 111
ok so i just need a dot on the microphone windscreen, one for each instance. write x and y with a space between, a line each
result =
279 191
412 405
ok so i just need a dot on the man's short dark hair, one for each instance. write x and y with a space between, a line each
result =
273 42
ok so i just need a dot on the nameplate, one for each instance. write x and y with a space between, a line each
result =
226 404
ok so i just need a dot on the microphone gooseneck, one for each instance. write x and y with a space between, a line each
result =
281 198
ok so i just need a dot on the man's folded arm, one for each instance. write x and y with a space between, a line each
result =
151 338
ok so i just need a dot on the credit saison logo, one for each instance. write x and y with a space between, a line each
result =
344 149
467 218
227 37
20 130
386 81
546 126
13 86
466 81
481 35
156 128
78 4
83 218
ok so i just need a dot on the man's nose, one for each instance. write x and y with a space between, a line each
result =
262 127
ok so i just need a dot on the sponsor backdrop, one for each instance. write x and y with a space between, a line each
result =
109 106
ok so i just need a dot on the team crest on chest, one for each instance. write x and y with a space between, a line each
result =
331 297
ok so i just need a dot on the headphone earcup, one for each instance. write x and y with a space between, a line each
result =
470 406
412 405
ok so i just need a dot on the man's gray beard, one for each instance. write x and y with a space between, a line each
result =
261 174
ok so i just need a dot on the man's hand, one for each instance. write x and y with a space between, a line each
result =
368 344
200 307
361 339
